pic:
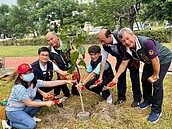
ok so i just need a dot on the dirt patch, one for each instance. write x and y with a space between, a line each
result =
60 118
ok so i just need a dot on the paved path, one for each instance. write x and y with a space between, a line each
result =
13 62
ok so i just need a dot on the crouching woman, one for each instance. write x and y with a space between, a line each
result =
22 107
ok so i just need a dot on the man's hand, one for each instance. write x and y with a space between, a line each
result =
70 82
49 96
76 77
98 82
111 84
153 78
80 87
115 81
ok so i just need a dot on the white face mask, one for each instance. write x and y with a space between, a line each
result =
28 77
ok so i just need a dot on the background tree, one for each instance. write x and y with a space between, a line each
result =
4 12
158 10
18 21
102 12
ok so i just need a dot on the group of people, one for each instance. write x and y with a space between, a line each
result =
35 81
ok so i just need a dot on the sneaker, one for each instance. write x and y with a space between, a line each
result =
119 101
101 94
109 99
5 125
36 119
135 104
154 117
144 105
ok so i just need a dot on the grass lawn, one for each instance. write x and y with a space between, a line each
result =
29 51
103 115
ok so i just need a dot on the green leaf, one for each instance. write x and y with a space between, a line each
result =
81 50
63 36
74 56
82 63
65 47
72 68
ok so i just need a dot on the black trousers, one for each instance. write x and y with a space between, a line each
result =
121 86
57 90
65 89
156 96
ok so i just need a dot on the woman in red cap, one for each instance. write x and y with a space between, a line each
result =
22 107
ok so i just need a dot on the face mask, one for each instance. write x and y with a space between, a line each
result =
28 77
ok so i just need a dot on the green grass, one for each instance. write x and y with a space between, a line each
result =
18 51
103 116
30 51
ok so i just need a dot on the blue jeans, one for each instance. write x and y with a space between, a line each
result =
23 119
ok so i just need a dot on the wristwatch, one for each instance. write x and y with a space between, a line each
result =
82 83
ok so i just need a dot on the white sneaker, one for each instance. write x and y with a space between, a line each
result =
36 119
101 94
109 99
5 125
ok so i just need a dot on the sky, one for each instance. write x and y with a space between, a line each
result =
8 2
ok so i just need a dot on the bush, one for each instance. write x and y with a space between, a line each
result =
163 36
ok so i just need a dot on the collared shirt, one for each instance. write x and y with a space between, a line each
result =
97 69
44 68
105 53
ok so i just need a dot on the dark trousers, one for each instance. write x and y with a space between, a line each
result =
57 90
121 86
98 89
45 89
155 97
65 89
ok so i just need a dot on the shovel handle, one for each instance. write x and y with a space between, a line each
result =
82 105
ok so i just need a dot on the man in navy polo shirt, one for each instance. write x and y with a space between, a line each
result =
157 59
111 44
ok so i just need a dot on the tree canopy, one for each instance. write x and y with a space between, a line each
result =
38 15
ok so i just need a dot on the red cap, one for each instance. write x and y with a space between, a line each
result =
24 68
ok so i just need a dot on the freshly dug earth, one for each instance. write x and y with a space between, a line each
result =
60 118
